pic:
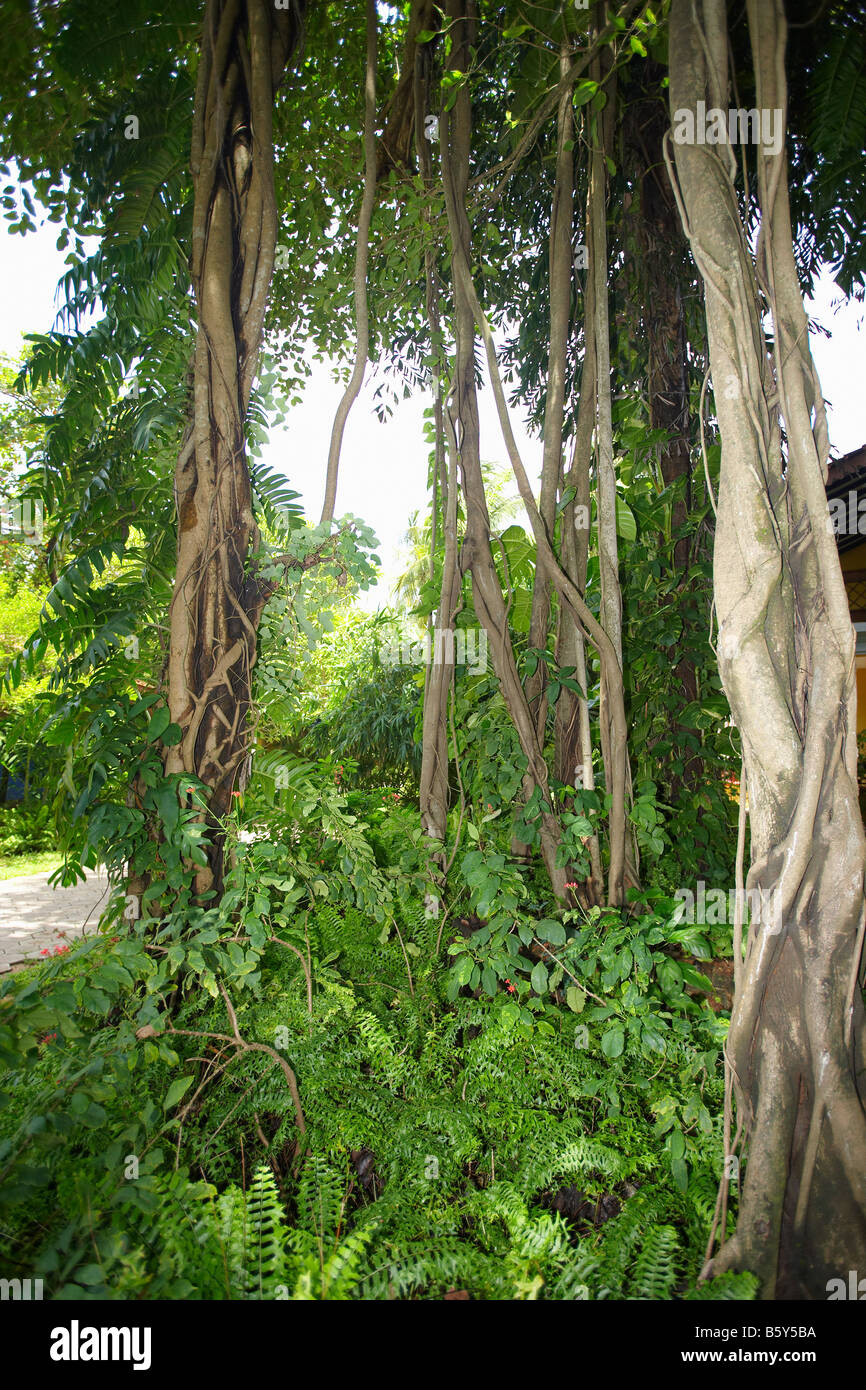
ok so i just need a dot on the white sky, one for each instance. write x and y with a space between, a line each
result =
383 468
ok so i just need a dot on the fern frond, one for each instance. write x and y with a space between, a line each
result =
655 1270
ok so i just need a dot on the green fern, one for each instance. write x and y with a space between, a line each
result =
727 1287
266 1259
655 1270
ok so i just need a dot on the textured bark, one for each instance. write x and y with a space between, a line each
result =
434 785
786 645
616 762
573 733
608 554
572 738
560 257
572 729
216 606
567 593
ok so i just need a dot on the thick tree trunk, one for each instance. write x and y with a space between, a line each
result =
216 605
796 1041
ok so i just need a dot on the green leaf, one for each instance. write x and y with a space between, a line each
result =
167 805
109 975
176 1090
551 931
463 969
158 724
613 1042
94 1116
575 999
95 1000
680 1171
626 526
538 978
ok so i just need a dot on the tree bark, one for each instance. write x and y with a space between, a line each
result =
434 786
796 1041
567 594
573 732
616 761
560 257
216 606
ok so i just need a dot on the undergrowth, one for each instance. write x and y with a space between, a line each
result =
451 1149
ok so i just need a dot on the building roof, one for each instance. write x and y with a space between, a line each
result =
845 476
842 472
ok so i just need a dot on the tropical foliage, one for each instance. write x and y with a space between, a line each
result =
395 996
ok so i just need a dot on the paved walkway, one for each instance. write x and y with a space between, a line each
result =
34 917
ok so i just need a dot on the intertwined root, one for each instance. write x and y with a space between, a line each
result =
786 661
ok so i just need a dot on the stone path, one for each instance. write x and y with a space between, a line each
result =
34 917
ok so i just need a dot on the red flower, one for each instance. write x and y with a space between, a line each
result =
510 986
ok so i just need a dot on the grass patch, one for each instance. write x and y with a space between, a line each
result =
18 865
